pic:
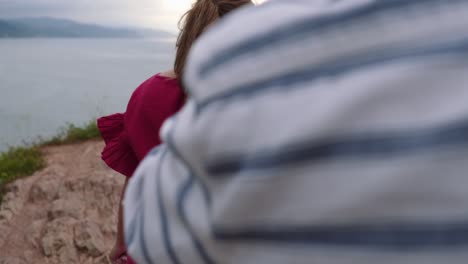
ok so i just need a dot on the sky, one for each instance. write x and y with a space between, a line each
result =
159 14
162 14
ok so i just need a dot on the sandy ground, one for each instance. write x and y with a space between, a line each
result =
65 213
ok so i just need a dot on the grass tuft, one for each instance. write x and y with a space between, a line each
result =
19 162
74 134
23 161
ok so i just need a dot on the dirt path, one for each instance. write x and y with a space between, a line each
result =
63 214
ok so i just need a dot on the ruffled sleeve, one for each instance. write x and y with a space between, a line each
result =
118 153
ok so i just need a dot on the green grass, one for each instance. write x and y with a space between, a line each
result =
73 134
19 162
24 161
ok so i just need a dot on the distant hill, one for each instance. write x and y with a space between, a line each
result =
11 29
53 27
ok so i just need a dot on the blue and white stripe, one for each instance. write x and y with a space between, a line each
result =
333 133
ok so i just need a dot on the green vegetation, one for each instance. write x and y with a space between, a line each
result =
24 161
73 134
19 162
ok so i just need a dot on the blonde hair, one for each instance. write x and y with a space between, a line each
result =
195 21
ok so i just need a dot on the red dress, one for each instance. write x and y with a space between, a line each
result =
131 135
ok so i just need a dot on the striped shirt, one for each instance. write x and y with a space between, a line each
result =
331 135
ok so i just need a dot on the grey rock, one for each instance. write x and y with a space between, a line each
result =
64 208
58 240
43 190
89 239
11 260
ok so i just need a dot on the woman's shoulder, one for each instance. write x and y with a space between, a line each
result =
159 81
157 86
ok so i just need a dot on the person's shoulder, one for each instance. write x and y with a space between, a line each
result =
158 80
157 84
161 91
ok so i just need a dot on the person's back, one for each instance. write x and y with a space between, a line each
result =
130 136
334 136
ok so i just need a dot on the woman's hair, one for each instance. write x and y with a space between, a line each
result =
195 21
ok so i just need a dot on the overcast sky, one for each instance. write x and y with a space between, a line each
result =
162 14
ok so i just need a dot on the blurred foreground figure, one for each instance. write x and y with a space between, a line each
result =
327 136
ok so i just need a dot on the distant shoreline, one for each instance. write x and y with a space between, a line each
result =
46 27
164 39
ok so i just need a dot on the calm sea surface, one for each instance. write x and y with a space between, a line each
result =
46 83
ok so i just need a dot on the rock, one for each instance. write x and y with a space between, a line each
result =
52 243
58 240
110 228
43 190
6 215
11 260
4 232
62 192
68 255
102 260
33 233
12 202
64 208
14 187
29 256
89 239
63 214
